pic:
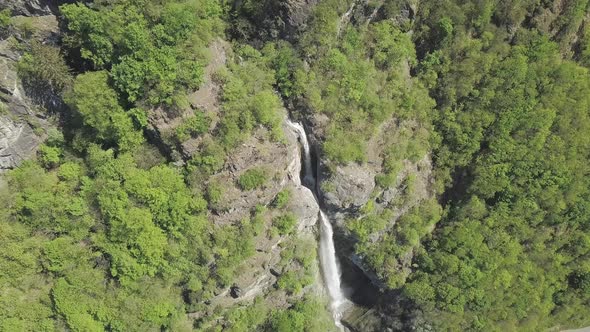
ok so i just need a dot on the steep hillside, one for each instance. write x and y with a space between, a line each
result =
155 176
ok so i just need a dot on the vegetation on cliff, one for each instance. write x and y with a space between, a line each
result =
101 232
104 232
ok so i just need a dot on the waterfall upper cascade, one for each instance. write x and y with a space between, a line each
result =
328 260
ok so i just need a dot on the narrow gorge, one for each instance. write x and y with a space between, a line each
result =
294 165
328 259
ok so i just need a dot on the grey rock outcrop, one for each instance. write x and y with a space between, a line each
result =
30 7
296 13
18 115
283 19
163 123
282 162
350 187
18 142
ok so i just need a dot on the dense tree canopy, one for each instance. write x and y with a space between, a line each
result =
107 230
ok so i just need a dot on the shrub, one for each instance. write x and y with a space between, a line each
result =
209 160
193 126
290 282
69 171
214 193
252 179
285 223
282 199
257 219
3 108
49 156
4 18
44 67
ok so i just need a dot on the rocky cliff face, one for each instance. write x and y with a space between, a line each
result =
30 7
281 162
263 270
274 19
22 122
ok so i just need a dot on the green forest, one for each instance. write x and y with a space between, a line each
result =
146 203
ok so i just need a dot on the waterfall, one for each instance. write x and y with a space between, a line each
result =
330 267
308 179
328 260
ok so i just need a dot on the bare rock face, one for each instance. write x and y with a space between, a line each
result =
276 18
17 142
349 187
306 208
282 162
297 13
22 126
30 7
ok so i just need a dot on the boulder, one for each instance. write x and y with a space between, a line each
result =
18 142
305 208
235 291
275 272
349 187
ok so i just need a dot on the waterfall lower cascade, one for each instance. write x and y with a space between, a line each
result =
328 259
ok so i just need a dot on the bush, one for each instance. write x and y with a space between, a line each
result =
69 171
282 199
49 156
290 282
252 179
214 193
3 108
44 67
4 18
257 219
285 223
193 126
308 314
209 160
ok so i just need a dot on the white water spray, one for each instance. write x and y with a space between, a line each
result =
308 179
328 259
330 267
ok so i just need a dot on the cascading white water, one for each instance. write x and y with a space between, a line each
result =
328 259
308 179
330 266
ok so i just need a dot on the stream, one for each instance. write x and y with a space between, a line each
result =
328 260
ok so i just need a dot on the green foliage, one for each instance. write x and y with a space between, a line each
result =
359 82
97 104
193 126
209 160
214 193
4 18
49 156
253 178
153 49
46 204
385 255
306 315
100 233
248 318
282 199
513 179
43 67
285 223
25 303
298 260
248 99
283 59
